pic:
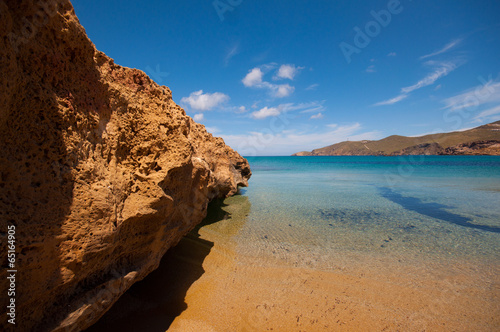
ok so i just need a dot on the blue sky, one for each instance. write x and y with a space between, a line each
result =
278 77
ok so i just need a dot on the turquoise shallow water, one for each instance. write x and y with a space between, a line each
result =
431 208
343 243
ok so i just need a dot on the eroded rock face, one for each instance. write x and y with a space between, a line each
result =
491 148
100 171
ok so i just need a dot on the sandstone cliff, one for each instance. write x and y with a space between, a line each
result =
100 171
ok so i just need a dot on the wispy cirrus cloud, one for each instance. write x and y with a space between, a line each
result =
441 69
444 49
231 53
312 86
371 69
487 93
313 109
391 101
490 114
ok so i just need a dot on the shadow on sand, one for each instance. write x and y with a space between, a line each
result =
153 303
433 210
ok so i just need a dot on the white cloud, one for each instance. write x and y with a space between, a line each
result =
198 117
288 107
265 112
312 86
212 130
392 54
445 48
204 101
439 86
282 90
241 109
253 78
316 116
287 142
444 69
287 72
486 93
392 100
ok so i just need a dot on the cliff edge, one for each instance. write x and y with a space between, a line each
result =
100 171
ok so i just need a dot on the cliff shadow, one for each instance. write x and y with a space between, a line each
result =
153 303
433 210
36 195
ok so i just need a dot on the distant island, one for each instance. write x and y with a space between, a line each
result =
482 140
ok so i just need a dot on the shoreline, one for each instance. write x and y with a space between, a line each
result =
220 285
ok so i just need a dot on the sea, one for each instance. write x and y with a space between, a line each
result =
426 208
335 243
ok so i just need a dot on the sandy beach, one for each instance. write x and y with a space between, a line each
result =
237 297
210 283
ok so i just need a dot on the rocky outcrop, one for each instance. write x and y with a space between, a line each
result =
424 149
302 154
491 148
100 171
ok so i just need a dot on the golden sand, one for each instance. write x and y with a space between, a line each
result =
232 296
210 282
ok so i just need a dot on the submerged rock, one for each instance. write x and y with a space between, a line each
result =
100 171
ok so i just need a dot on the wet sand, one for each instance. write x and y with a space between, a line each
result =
212 282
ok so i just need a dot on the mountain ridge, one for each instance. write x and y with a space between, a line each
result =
482 140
